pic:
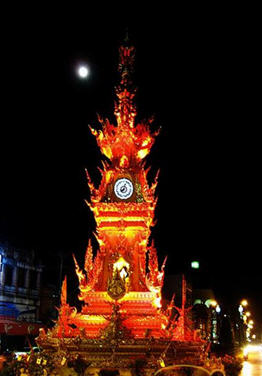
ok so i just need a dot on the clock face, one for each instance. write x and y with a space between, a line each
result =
123 188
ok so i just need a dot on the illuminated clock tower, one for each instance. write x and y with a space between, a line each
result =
123 207
122 316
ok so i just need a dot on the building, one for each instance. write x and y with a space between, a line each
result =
20 282
204 309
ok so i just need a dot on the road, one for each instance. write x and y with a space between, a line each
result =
253 367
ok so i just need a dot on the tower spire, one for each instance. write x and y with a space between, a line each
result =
125 109
126 60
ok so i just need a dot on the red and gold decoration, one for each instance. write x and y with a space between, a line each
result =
122 321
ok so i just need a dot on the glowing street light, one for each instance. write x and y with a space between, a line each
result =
195 265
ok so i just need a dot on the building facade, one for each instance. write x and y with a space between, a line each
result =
20 283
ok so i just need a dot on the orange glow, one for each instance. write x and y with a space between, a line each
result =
143 153
124 271
124 142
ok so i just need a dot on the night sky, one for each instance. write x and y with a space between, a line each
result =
198 77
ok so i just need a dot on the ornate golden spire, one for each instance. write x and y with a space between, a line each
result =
125 109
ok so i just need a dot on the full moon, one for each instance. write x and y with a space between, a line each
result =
83 71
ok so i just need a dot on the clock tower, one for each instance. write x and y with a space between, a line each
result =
124 203
122 318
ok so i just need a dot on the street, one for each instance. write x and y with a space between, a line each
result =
253 366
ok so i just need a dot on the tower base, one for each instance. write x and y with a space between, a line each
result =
124 355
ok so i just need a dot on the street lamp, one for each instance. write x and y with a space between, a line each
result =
241 310
244 331
213 303
195 264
